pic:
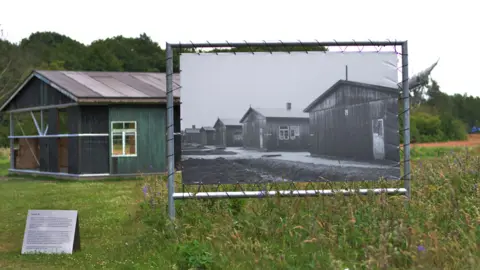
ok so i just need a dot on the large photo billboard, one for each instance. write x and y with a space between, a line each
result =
316 116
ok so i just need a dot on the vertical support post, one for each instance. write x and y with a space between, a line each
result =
12 141
41 122
170 136
406 119
50 146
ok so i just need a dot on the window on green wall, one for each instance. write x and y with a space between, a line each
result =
124 138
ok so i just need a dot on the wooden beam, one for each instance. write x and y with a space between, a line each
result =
12 142
41 108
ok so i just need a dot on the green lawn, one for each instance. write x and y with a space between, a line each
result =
4 165
107 214
122 229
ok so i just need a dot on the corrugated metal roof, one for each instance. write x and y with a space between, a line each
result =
230 121
121 87
91 84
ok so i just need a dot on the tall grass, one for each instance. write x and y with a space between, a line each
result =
421 152
439 229
5 152
124 224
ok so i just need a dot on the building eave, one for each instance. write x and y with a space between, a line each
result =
33 75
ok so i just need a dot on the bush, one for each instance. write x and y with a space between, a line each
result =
194 255
426 127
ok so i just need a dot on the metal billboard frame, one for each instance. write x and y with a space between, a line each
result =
404 85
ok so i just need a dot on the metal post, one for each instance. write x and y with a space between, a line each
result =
12 141
170 136
406 119
41 121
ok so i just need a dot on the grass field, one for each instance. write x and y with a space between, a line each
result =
123 228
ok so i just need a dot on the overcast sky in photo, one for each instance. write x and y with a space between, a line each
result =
226 85
442 30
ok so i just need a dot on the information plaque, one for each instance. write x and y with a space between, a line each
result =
52 232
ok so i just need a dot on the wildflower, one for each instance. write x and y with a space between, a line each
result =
421 248
145 190
263 192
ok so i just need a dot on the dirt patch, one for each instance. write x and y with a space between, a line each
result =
227 171
201 152
193 146
6 178
473 140
6 247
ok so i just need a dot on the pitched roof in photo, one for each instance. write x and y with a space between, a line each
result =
208 128
276 113
228 121
192 130
339 83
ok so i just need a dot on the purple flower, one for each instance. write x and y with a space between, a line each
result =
421 248
151 166
263 192
145 190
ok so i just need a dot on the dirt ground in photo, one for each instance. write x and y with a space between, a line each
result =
228 171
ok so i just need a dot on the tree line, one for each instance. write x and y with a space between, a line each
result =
436 116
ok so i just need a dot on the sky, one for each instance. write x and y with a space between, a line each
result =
434 29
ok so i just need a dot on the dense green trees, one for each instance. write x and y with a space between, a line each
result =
443 117
436 116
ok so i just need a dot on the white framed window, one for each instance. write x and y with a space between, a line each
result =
238 136
288 132
294 132
283 133
123 138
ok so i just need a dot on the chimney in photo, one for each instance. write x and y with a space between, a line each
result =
289 106
193 126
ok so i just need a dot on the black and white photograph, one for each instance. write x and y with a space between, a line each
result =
262 117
